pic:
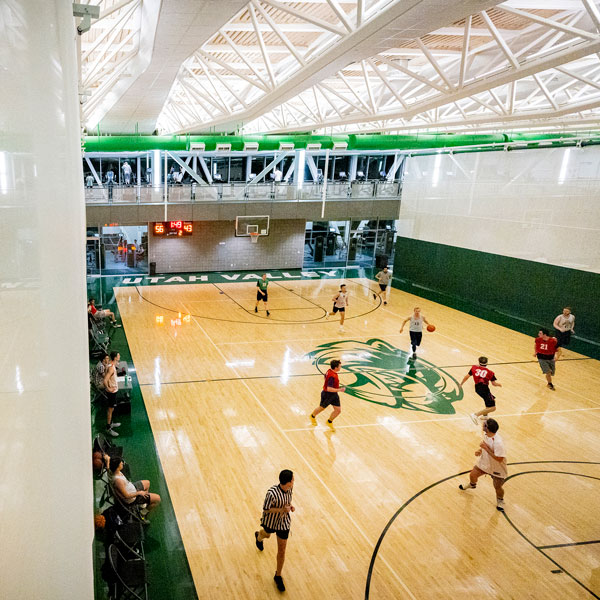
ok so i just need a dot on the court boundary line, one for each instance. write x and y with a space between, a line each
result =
281 375
265 319
257 316
311 469
449 418
568 545
301 297
230 379
436 483
539 548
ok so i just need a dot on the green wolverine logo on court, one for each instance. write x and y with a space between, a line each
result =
383 374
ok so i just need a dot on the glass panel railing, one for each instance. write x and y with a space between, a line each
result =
241 192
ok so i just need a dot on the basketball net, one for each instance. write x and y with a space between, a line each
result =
254 238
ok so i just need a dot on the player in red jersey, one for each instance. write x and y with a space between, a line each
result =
483 377
329 394
547 351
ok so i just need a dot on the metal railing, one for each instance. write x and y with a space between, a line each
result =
240 192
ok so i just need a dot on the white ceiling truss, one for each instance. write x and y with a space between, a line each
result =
546 73
256 52
108 50
522 64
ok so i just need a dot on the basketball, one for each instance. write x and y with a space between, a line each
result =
99 521
97 461
430 327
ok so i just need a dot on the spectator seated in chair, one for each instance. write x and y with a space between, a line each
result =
130 493
102 314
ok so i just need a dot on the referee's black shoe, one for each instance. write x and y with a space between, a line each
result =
259 545
279 583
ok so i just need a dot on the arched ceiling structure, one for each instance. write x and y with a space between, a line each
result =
342 66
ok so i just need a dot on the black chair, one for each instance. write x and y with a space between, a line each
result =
99 340
129 512
130 539
101 444
128 576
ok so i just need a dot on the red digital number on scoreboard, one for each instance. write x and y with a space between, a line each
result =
177 228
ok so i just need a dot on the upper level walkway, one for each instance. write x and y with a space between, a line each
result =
240 192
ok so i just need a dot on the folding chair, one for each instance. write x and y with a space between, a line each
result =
99 340
130 539
101 444
129 577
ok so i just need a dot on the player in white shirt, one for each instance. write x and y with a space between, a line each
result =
415 329
491 461
564 325
340 302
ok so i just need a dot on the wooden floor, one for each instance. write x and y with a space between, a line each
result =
228 395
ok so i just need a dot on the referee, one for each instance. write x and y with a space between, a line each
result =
276 519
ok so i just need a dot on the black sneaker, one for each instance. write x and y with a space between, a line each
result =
385 303
268 314
259 545
279 583
466 487
256 309
551 387
374 296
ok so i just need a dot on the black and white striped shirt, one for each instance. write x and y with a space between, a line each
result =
276 498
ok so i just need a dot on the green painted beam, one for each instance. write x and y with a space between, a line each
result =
371 142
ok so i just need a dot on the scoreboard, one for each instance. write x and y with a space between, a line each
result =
179 228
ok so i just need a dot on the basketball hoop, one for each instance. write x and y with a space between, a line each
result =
254 237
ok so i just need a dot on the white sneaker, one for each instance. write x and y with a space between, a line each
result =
112 432
473 417
115 424
500 505
342 330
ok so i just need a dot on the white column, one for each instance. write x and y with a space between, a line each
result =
46 503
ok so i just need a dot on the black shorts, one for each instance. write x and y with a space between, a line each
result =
144 498
336 309
383 287
280 533
328 398
416 337
264 298
484 391
111 399
563 338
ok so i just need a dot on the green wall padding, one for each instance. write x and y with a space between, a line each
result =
520 294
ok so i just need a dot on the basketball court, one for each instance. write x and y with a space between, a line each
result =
378 510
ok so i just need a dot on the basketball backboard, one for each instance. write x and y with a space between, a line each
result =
245 226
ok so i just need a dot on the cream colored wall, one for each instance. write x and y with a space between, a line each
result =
46 508
541 205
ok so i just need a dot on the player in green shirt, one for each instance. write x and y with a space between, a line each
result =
261 293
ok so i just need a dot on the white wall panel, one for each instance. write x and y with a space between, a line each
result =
46 524
541 205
